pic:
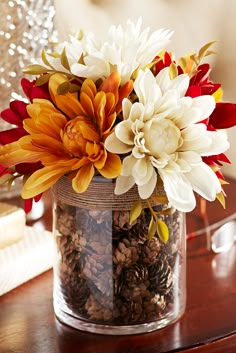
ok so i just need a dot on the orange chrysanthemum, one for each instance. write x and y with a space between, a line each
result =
67 135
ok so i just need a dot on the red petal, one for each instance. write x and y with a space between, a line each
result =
32 91
20 108
27 168
4 170
223 116
28 203
193 91
8 136
202 75
10 117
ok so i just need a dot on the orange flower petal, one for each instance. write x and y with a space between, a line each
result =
83 178
89 88
45 118
111 84
112 167
12 154
87 104
123 93
42 180
67 103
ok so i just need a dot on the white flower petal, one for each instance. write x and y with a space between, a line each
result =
206 104
180 84
178 190
114 145
219 143
142 171
126 107
128 165
204 181
146 190
123 184
190 157
146 88
124 133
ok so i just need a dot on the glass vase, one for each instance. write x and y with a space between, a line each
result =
110 276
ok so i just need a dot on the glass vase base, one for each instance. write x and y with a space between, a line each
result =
86 326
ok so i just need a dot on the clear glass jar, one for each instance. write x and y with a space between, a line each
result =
109 277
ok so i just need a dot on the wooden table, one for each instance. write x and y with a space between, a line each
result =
28 325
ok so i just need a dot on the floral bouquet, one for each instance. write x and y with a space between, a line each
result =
125 109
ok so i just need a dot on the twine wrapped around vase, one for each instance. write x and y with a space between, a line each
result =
99 195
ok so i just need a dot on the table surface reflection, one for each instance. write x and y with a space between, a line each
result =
28 325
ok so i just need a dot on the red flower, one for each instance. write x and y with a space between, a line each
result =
199 83
223 116
15 115
31 91
162 62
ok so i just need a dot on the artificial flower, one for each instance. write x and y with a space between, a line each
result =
123 108
68 136
163 135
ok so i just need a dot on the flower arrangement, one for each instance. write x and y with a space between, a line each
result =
124 109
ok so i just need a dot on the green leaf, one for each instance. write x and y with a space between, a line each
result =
64 60
163 231
42 79
35 69
135 211
63 88
152 229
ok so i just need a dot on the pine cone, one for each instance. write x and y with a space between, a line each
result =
76 292
150 251
126 253
153 306
65 218
136 275
138 230
161 276
96 311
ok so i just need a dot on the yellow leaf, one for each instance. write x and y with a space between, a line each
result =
204 50
152 229
223 182
163 231
64 60
35 69
44 58
63 88
135 210
173 71
42 79
220 197
218 94
74 88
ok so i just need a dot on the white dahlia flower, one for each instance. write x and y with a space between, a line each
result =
162 134
125 50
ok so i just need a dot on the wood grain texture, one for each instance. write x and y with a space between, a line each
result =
28 325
